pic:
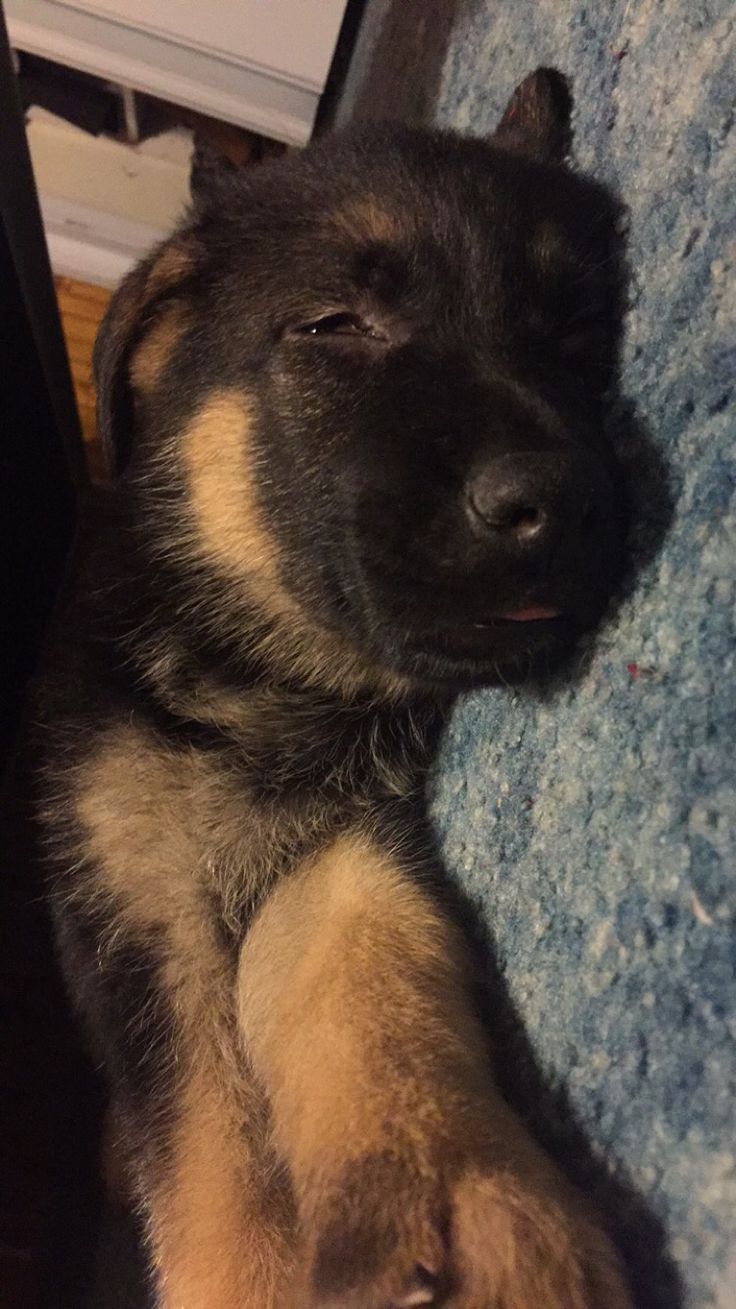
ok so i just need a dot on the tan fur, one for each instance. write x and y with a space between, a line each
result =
538 1246
354 1007
218 458
165 829
176 259
138 808
150 360
229 529
220 1223
156 825
328 949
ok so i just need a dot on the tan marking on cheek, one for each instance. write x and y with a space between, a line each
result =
219 463
150 360
229 528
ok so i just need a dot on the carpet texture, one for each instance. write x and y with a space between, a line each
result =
594 825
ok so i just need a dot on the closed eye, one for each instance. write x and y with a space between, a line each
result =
344 325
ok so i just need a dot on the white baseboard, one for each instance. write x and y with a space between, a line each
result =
90 245
99 265
104 204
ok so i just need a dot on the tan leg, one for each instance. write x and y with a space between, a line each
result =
192 1124
219 1220
414 1182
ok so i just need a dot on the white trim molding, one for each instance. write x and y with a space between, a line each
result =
253 98
90 245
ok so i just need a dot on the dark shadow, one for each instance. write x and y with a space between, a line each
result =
649 498
65 1245
637 1233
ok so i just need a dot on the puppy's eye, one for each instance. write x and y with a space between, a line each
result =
342 324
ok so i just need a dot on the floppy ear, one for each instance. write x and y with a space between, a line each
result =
536 122
113 347
134 308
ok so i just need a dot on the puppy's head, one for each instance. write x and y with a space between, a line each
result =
361 394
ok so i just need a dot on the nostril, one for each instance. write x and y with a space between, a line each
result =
510 516
525 520
519 498
422 1289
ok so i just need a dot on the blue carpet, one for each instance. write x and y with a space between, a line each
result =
595 826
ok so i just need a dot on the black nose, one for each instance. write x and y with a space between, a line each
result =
527 501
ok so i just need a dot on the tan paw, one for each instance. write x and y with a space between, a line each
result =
392 1234
516 1247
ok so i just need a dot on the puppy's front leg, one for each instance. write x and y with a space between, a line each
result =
415 1183
218 1232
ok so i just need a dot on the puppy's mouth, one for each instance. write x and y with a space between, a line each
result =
507 629
463 635
535 613
534 617
469 649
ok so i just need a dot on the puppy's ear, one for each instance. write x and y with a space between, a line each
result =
536 122
211 171
113 347
135 307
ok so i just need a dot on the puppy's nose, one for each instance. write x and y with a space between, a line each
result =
525 501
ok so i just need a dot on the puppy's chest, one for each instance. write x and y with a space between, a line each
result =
170 832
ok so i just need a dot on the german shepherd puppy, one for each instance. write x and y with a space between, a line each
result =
355 412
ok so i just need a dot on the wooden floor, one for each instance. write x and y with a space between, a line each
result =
82 308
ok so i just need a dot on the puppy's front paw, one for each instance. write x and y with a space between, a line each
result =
526 1242
394 1232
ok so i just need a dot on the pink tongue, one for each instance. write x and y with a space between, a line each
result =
531 614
